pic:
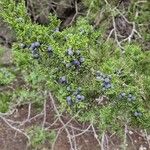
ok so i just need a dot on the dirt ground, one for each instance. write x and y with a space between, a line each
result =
10 139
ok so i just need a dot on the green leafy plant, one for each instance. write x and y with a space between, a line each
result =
4 102
84 72
26 96
6 76
39 137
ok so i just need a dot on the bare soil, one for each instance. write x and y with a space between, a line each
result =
10 139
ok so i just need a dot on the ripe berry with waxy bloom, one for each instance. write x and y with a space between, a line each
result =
122 95
137 114
49 49
69 100
80 97
37 44
70 52
106 80
76 63
63 80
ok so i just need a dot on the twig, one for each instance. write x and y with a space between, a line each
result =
78 129
44 110
52 124
29 111
96 136
147 137
125 136
114 30
58 114
14 128
33 118
74 139
84 131
76 13
53 144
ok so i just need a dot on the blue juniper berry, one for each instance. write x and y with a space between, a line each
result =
63 80
98 73
131 97
37 44
80 97
137 114
122 95
34 45
106 82
76 63
100 76
69 100
49 49
107 85
70 52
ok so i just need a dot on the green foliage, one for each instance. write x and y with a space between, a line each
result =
39 137
6 76
4 102
128 72
23 96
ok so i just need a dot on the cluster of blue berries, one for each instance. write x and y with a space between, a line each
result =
34 50
78 58
129 96
105 79
73 95
76 61
76 96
